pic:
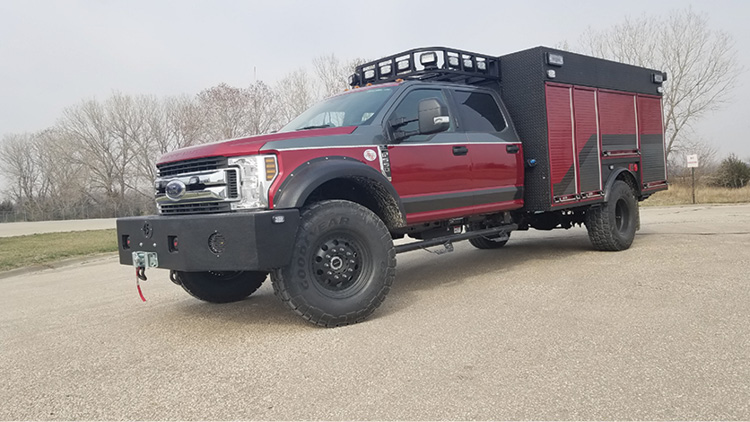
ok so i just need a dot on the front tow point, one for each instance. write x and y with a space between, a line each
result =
145 259
141 261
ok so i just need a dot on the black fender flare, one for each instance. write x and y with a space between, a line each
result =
613 178
303 180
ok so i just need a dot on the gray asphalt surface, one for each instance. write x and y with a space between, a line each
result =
545 328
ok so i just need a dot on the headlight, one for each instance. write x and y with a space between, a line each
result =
257 173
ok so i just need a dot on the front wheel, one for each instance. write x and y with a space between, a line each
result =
342 267
612 226
220 286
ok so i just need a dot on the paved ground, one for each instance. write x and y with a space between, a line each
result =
33 227
543 329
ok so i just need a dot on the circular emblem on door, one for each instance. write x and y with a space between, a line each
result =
175 190
370 155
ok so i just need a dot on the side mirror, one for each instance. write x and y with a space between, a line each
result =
433 116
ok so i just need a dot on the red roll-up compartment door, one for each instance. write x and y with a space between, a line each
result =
617 121
560 139
653 163
588 154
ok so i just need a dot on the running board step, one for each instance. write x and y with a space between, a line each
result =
447 240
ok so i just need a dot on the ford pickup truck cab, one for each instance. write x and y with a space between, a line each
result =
430 152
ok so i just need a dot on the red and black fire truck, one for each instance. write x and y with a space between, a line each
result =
435 145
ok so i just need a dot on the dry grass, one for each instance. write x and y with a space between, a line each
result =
679 194
39 249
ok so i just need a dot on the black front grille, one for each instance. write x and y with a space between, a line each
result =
190 166
196 208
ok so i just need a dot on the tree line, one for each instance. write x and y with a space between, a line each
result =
98 159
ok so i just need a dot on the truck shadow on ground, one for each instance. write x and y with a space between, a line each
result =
261 308
416 271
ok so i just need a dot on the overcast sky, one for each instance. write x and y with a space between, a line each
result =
54 54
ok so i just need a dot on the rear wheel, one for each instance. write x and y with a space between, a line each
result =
486 242
342 266
221 286
612 226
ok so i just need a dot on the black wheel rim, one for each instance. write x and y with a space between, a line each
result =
340 264
622 216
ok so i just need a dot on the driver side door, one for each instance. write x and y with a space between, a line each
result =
431 173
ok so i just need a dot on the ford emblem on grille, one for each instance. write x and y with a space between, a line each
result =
175 190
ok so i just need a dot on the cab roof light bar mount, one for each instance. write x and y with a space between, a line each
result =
429 63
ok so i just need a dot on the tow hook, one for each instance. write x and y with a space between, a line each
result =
141 261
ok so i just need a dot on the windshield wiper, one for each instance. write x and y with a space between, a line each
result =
314 127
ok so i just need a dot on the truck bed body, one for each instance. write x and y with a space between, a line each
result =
587 119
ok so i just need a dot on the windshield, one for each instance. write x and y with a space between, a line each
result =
351 109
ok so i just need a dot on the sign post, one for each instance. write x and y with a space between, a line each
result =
692 163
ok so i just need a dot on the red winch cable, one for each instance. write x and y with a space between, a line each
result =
140 274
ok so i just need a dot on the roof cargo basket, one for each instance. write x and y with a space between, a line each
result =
429 63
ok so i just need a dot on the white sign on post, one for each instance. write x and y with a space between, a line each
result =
692 160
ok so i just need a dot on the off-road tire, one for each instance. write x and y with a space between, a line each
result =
221 286
342 266
489 242
612 225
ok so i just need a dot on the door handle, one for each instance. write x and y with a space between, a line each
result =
460 150
512 149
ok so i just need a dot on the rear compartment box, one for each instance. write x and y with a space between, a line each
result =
581 118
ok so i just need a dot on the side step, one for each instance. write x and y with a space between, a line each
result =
448 240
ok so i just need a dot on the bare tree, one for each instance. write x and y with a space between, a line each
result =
226 110
700 62
296 93
99 146
64 183
333 74
43 184
18 164
262 108
136 122
185 124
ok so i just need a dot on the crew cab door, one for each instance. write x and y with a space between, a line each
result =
431 173
496 155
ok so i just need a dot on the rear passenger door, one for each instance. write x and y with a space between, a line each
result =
497 159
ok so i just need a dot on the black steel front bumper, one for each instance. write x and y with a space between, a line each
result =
256 241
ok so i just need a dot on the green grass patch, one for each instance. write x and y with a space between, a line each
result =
39 249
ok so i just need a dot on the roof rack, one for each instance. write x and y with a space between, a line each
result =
428 63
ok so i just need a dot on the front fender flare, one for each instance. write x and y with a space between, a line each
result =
303 180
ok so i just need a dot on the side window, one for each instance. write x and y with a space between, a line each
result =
479 112
408 109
